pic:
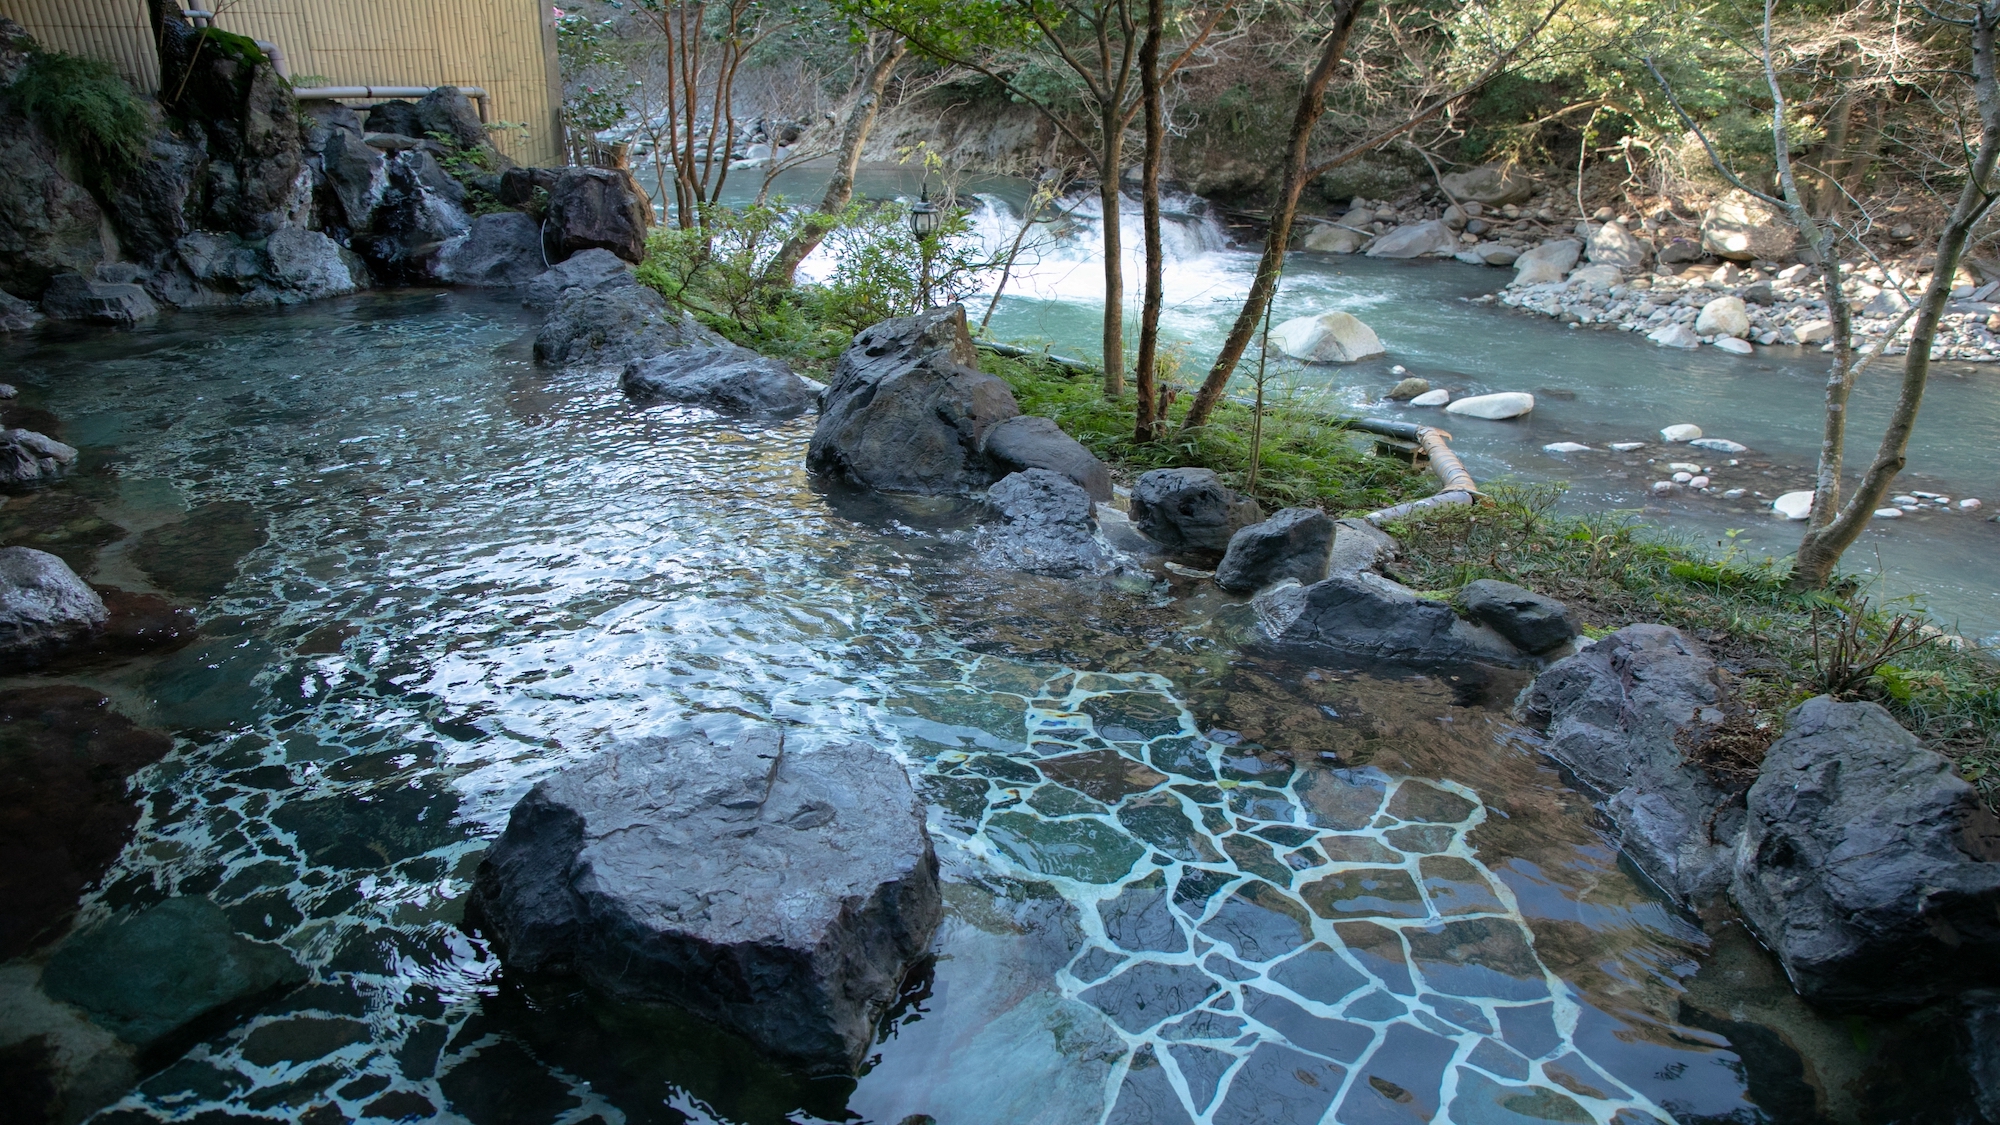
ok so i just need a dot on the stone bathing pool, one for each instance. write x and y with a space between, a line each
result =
1188 879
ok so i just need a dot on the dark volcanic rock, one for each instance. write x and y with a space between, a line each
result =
354 171
519 185
64 815
49 225
1030 441
17 315
614 326
446 113
167 974
44 607
414 221
504 248
782 895
1618 714
72 296
26 457
1190 510
1368 615
591 269
1295 543
398 117
1533 622
1048 526
1867 864
727 378
908 409
602 208
1357 546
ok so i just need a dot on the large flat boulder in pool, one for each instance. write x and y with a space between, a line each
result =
44 607
908 409
1621 715
1366 615
1031 441
1867 864
1190 510
783 895
611 327
591 269
725 378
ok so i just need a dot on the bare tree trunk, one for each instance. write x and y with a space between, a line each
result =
1147 427
840 189
1856 176
1823 545
1109 159
1312 104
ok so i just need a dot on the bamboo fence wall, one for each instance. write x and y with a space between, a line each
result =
505 46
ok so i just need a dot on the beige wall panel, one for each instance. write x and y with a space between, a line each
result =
503 46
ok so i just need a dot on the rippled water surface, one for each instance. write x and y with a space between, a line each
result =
1187 879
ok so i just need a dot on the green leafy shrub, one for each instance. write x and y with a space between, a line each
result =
90 111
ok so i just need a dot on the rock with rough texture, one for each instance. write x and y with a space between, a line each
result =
1048 526
1490 254
310 265
26 457
418 216
1813 332
1407 389
1357 546
49 225
72 296
1674 336
17 315
1534 623
1190 510
1295 543
168 971
1494 185
1612 245
612 327
1618 714
1680 251
601 208
781 894
504 248
1743 228
1867 864
1330 337
591 269
1415 241
725 378
1794 505
447 113
1030 441
1365 614
1598 276
355 170
44 607
908 409
1328 238
396 117
518 188
1981 1042
1546 263
1494 407
1724 316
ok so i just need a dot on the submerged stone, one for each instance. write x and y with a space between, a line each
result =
1088 851
1149 993
781 895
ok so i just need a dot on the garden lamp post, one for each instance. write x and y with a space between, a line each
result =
924 219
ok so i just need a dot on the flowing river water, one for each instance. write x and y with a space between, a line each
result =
1187 878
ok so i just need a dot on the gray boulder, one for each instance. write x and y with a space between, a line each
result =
17 315
446 114
1546 263
1415 241
43 607
167 971
310 265
602 208
1030 441
1048 526
591 269
1190 510
72 296
1534 623
726 378
504 248
1618 714
1294 543
419 214
781 895
27 457
1366 615
519 185
1867 865
354 171
1612 245
908 409
1493 184
1357 546
612 327
49 224
397 117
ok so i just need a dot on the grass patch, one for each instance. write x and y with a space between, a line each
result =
1613 571
89 110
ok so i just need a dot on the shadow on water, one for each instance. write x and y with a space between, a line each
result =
1187 878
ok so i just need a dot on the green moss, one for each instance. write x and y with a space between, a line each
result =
89 110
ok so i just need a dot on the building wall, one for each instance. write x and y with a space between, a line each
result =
505 46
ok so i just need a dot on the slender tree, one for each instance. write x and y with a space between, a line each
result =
1145 426
885 50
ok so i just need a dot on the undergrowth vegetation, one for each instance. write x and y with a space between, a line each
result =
88 108
1782 646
